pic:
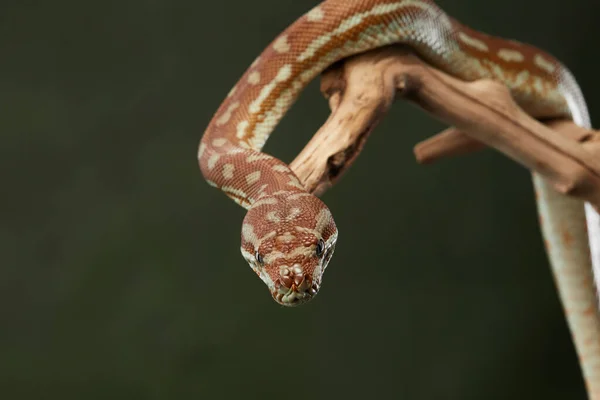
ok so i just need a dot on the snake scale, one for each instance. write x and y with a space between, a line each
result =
289 235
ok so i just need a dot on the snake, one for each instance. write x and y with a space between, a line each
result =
289 235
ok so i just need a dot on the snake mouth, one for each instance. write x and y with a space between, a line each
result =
295 295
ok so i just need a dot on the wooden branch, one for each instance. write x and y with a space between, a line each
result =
362 89
448 143
453 142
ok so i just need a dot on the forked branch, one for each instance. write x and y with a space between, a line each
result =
362 89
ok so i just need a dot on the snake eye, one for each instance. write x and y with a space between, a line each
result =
259 258
320 247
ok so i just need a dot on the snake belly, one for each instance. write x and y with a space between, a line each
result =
288 235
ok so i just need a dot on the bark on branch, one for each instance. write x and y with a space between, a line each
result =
362 89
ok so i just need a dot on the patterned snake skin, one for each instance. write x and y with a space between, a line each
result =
289 235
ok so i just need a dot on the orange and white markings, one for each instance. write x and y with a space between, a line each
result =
237 195
284 193
297 196
232 91
499 72
283 74
287 237
432 10
268 236
280 168
473 42
510 55
265 201
253 177
272 217
241 129
281 44
218 142
212 161
254 78
228 170
298 251
263 129
544 64
294 213
538 84
261 191
224 118
235 150
255 62
347 24
201 150
295 182
275 216
315 15
521 78
323 219
568 249
304 229
258 157
249 235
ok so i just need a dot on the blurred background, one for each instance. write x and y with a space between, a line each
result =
120 271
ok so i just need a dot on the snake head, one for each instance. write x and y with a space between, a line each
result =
288 240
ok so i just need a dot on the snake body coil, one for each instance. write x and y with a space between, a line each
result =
289 235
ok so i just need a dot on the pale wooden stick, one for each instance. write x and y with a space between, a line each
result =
453 142
449 143
362 89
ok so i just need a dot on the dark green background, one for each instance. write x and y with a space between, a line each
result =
120 273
